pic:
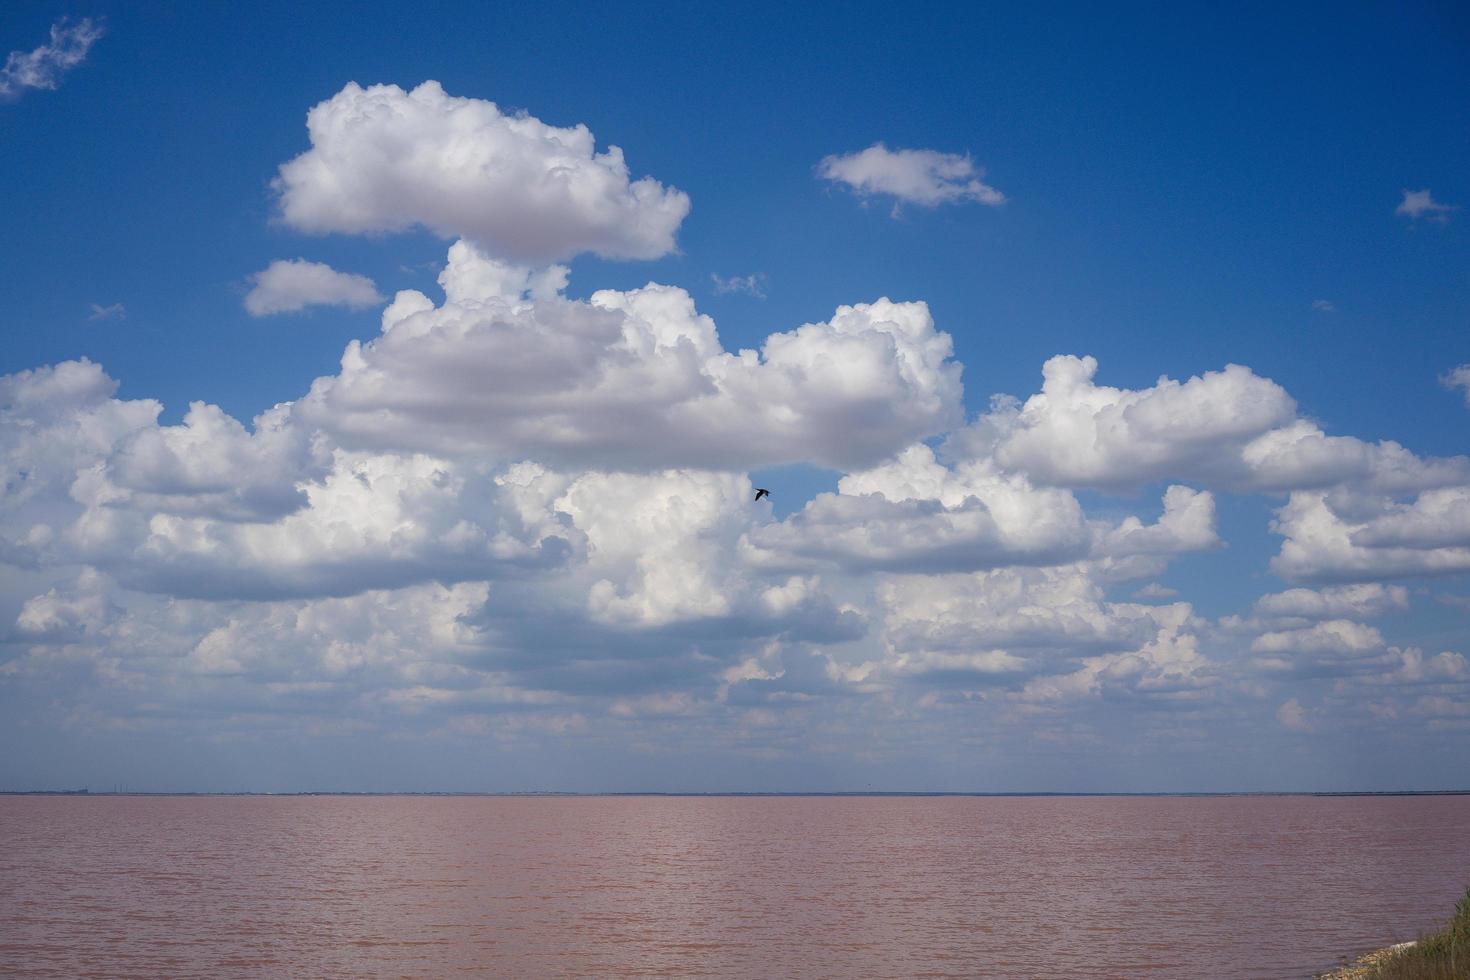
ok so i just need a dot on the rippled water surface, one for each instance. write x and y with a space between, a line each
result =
719 886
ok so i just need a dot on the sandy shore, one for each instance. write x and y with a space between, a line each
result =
1363 967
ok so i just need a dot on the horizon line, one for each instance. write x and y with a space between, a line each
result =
87 791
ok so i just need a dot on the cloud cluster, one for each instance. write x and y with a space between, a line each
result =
43 67
413 540
508 368
924 177
386 160
515 513
576 463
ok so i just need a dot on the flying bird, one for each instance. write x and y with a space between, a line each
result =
761 492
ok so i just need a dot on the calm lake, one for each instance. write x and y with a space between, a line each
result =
719 886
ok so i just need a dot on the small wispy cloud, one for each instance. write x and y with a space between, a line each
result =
1458 378
100 312
924 177
43 67
1155 590
1421 204
752 284
1324 306
288 286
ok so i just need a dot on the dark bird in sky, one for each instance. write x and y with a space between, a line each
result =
761 492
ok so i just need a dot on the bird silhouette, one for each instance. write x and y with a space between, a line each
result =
761 492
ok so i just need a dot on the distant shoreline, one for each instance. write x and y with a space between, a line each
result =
645 793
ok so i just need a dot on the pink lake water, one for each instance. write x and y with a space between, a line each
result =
719 886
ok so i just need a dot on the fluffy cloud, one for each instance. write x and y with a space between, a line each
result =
1187 524
1358 601
508 367
656 542
1332 648
1044 634
1229 428
286 286
1364 537
1019 614
1412 667
915 514
43 67
209 465
925 177
56 422
1338 636
372 521
386 160
1434 520
1421 204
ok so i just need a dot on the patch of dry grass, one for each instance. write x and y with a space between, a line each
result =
1442 955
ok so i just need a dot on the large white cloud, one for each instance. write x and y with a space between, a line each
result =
915 514
1368 537
1435 519
1339 636
1229 428
386 160
371 521
55 422
509 368
1046 634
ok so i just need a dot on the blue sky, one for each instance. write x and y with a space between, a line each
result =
1183 189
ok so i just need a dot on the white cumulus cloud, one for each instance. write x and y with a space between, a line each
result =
287 286
1368 537
915 514
1229 428
386 160
925 177
1361 601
